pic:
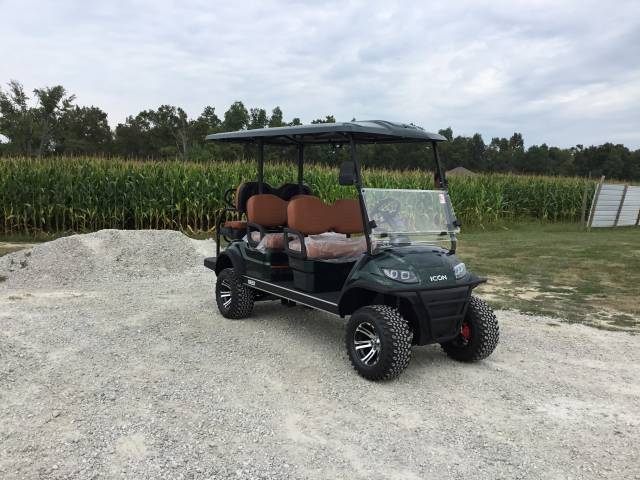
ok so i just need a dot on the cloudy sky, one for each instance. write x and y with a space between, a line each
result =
559 72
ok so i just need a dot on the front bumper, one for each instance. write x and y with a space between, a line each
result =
438 313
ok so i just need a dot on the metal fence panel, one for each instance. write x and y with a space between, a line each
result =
630 207
615 205
607 204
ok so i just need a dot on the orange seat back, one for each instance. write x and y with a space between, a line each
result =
267 210
310 216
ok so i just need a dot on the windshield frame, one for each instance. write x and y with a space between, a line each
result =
441 184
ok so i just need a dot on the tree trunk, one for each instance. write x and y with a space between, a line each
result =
184 146
43 138
182 143
30 139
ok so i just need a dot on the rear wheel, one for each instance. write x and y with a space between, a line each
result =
478 335
234 299
378 341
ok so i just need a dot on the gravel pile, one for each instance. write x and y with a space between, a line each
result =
105 256
141 378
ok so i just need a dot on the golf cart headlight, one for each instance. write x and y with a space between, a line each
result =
404 276
460 270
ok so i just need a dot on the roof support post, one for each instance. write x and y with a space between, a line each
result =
358 183
300 166
452 223
443 181
260 165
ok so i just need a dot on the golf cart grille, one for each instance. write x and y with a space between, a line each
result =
446 309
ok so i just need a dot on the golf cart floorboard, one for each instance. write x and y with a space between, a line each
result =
325 301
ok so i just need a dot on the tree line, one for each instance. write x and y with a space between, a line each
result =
51 123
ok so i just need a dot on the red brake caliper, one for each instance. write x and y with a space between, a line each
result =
465 331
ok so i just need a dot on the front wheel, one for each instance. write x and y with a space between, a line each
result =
234 299
378 341
478 335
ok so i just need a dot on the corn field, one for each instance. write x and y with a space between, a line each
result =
81 194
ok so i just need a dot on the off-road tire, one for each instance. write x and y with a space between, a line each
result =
484 334
240 303
395 337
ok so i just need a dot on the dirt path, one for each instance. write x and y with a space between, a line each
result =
122 372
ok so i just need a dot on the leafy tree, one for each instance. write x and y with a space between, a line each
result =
516 150
171 127
258 118
607 159
561 161
164 132
538 159
478 153
327 119
83 130
447 133
52 103
17 119
468 152
133 138
499 155
24 125
236 118
632 166
276 118
209 119
208 122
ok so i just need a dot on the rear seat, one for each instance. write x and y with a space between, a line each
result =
243 193
308 215
248 190
266 212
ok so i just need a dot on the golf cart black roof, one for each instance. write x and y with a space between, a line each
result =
370 131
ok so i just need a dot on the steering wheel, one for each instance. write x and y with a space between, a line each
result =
386 212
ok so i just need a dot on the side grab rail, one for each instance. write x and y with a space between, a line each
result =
254 227
228 198
288 234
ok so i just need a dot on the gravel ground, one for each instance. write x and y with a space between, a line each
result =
114 363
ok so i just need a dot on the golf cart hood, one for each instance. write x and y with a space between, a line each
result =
429 267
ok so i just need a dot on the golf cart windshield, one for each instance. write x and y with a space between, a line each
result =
409 216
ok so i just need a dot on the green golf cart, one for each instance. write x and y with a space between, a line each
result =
385 259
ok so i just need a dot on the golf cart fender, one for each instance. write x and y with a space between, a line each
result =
356 295
414 305
362 293
228 259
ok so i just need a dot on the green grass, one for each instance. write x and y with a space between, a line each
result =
560 270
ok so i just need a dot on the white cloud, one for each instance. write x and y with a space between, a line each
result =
561 74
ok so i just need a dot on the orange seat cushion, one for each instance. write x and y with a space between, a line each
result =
271 241
329 246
